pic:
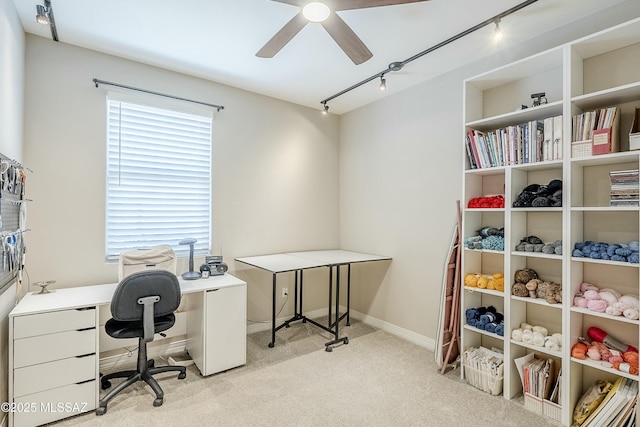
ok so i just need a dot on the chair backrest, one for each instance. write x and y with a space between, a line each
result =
124 304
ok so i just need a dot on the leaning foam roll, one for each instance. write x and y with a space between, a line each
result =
516 334
541 330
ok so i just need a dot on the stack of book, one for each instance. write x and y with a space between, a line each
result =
530 142
540 379
584 124
618 406
624 188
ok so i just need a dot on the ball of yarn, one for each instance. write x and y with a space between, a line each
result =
516 334
537 339
591 295
597 305
540 330
526 327
551 344
580 302
500 329
584 286
631 313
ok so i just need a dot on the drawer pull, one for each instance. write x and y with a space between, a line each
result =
84 355
85 308
86 329
86 381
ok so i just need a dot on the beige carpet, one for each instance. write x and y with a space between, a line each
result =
377 379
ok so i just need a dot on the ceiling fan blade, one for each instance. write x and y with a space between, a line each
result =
362 4
282 37
348 41
292 2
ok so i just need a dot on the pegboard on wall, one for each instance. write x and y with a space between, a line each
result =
13 208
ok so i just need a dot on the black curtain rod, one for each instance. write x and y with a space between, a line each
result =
99 82
397 66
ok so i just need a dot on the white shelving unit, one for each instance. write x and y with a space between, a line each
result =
597 71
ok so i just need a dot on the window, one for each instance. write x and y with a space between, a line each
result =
158 177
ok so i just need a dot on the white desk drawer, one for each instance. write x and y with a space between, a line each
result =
47 348
45 376
55 404
52 322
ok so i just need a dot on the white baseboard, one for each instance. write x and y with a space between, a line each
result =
406 334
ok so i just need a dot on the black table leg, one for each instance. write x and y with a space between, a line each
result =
273 313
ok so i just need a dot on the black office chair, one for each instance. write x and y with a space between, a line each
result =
143 304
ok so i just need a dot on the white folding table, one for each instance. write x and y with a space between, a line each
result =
297 262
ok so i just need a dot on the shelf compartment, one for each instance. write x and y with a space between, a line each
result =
590 180
588 312
600 367
539 301
612 96
557 354
483 332
536 255
517 117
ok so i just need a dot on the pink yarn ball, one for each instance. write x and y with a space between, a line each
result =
580 302
584 286
597 305
592 295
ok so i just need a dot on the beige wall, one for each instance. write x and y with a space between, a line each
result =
275 169
12 48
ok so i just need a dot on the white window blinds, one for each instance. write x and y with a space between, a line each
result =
158 178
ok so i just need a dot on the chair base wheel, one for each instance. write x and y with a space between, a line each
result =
157 402
106 384
182 375
101 410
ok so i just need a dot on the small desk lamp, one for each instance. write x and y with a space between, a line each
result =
190 275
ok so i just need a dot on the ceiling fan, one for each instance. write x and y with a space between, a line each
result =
324 12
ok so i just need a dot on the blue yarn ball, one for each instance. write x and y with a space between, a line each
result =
634 258
578 253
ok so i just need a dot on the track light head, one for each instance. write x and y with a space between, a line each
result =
383 83
42 16
325 110
497 32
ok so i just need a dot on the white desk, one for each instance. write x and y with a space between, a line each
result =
298 262
54 344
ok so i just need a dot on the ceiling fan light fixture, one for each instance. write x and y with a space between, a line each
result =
316 11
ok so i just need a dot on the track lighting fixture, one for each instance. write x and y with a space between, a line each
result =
325 110
397 66
497 32
44 16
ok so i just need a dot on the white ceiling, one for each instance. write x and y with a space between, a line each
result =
218 39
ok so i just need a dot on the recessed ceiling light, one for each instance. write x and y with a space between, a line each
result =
316 11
